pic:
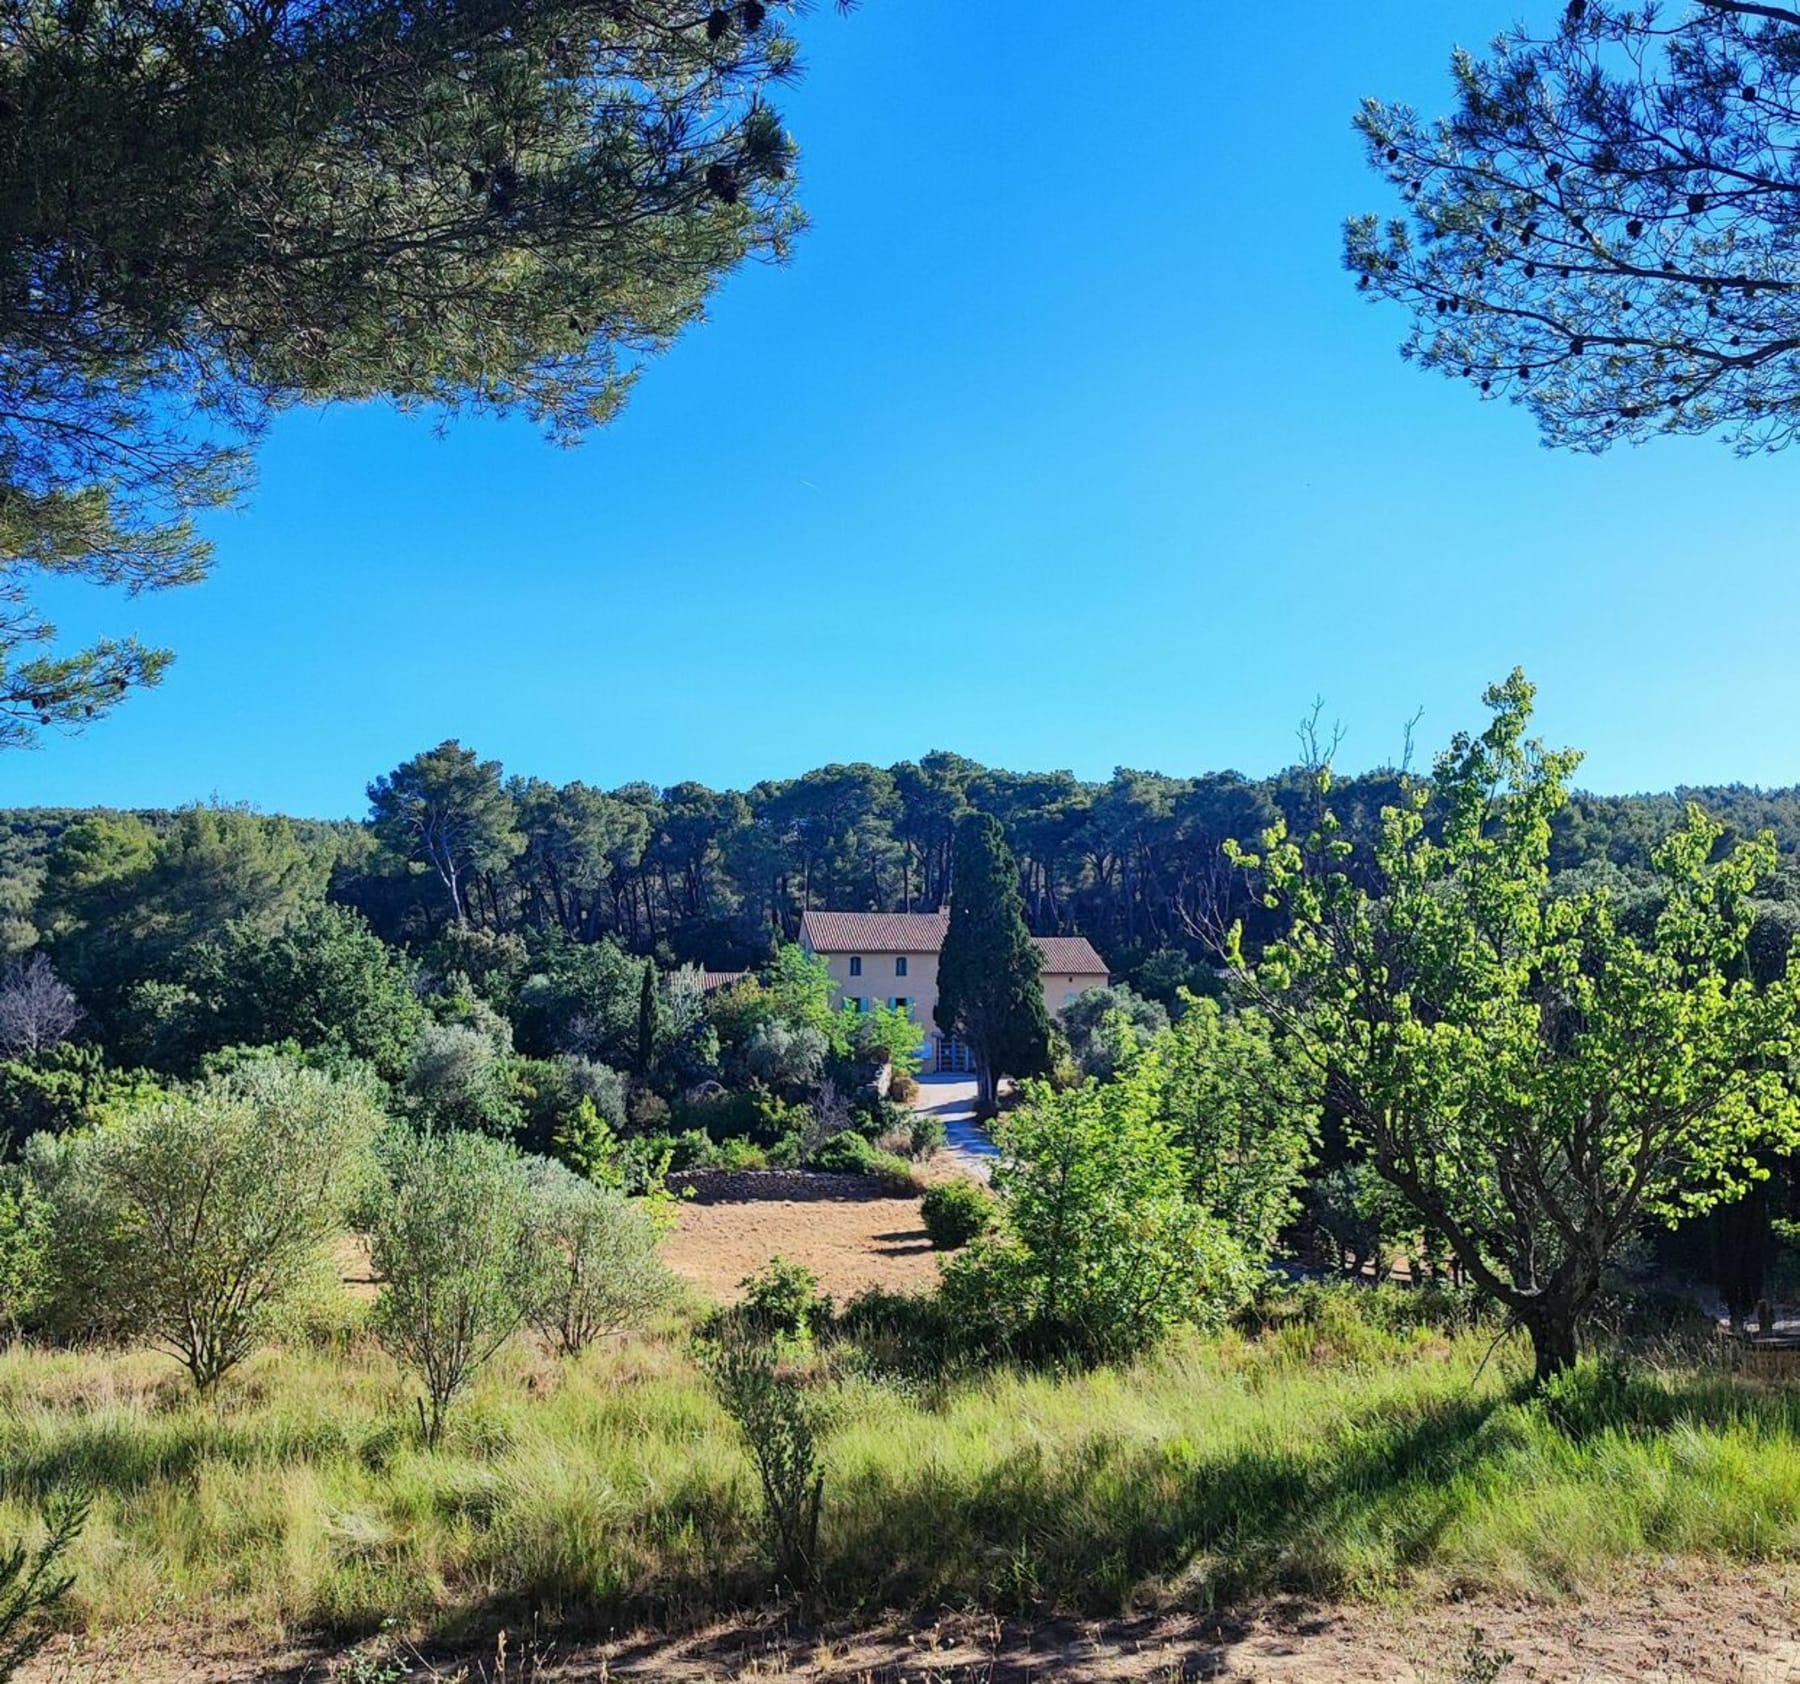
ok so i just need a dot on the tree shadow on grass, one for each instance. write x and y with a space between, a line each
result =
1091 1526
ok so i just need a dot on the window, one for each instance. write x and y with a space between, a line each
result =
901 1003
900 965
855 1003
856 964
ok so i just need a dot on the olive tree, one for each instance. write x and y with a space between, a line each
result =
1533 1080
192 1220
453 1240
601 1271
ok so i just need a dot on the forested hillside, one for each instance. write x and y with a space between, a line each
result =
720 877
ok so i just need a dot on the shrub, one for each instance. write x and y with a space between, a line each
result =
780 1426
784 1302
453 1241
460 1079
601 1269
903 1089
32 1580
925 1135
1100 1249
852 1154
955 1213
192 1221
740 1155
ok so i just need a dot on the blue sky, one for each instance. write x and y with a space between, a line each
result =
1063 441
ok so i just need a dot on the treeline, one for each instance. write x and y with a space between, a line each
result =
720 878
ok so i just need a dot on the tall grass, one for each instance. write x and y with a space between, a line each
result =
1327 1456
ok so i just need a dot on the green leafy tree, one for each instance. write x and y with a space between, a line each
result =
1101 1247
1105 1025
193 1220
1243 1102
453 1240
990 975
502 207
448 812
1535 1081
647 1020
1602 230
602 1272
323 980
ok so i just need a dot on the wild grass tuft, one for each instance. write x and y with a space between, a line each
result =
1335 1453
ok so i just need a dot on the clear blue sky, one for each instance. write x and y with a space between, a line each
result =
1063 441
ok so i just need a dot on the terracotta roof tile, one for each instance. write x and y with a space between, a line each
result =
874 932
923 932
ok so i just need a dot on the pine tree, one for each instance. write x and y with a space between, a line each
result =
990 974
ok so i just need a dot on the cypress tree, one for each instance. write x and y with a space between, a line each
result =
646 1048
990 973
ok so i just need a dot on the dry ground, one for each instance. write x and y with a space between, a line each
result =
1671 1625
849 1243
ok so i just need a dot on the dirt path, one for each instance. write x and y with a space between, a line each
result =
1670 1625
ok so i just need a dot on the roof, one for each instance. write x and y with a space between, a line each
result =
923 932
874 932
1072 955
712 981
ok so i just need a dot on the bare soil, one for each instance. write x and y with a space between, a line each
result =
849 1241
1673 1624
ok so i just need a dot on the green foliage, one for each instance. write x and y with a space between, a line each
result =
990 976
447 812
1596 230
194 1220
882 1034
1244 1106
1106 1026
459 1079
782 1301
601 1271
584 1000
1541 1081
780 1424
1100 1247
25 1268
322 980
851 1153
33 1580
521 251
72 1087
956 1212
453 1240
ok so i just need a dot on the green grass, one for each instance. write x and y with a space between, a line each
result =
1328 1456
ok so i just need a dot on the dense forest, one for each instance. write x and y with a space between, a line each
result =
535 912
454 848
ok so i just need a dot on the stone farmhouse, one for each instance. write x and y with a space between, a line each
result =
892 957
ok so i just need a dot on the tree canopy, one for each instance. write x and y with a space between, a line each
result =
1602 229
216 211
1532 1078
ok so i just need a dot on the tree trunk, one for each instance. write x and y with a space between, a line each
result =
1553 1343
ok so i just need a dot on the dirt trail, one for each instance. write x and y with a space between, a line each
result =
1672 1625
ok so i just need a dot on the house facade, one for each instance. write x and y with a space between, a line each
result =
891 958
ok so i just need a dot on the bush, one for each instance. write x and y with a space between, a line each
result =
925 1135
601 1270
193 1221
784 1302
780 1426
955 1213
903 1089
852 1154
1100 1249
453 1240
